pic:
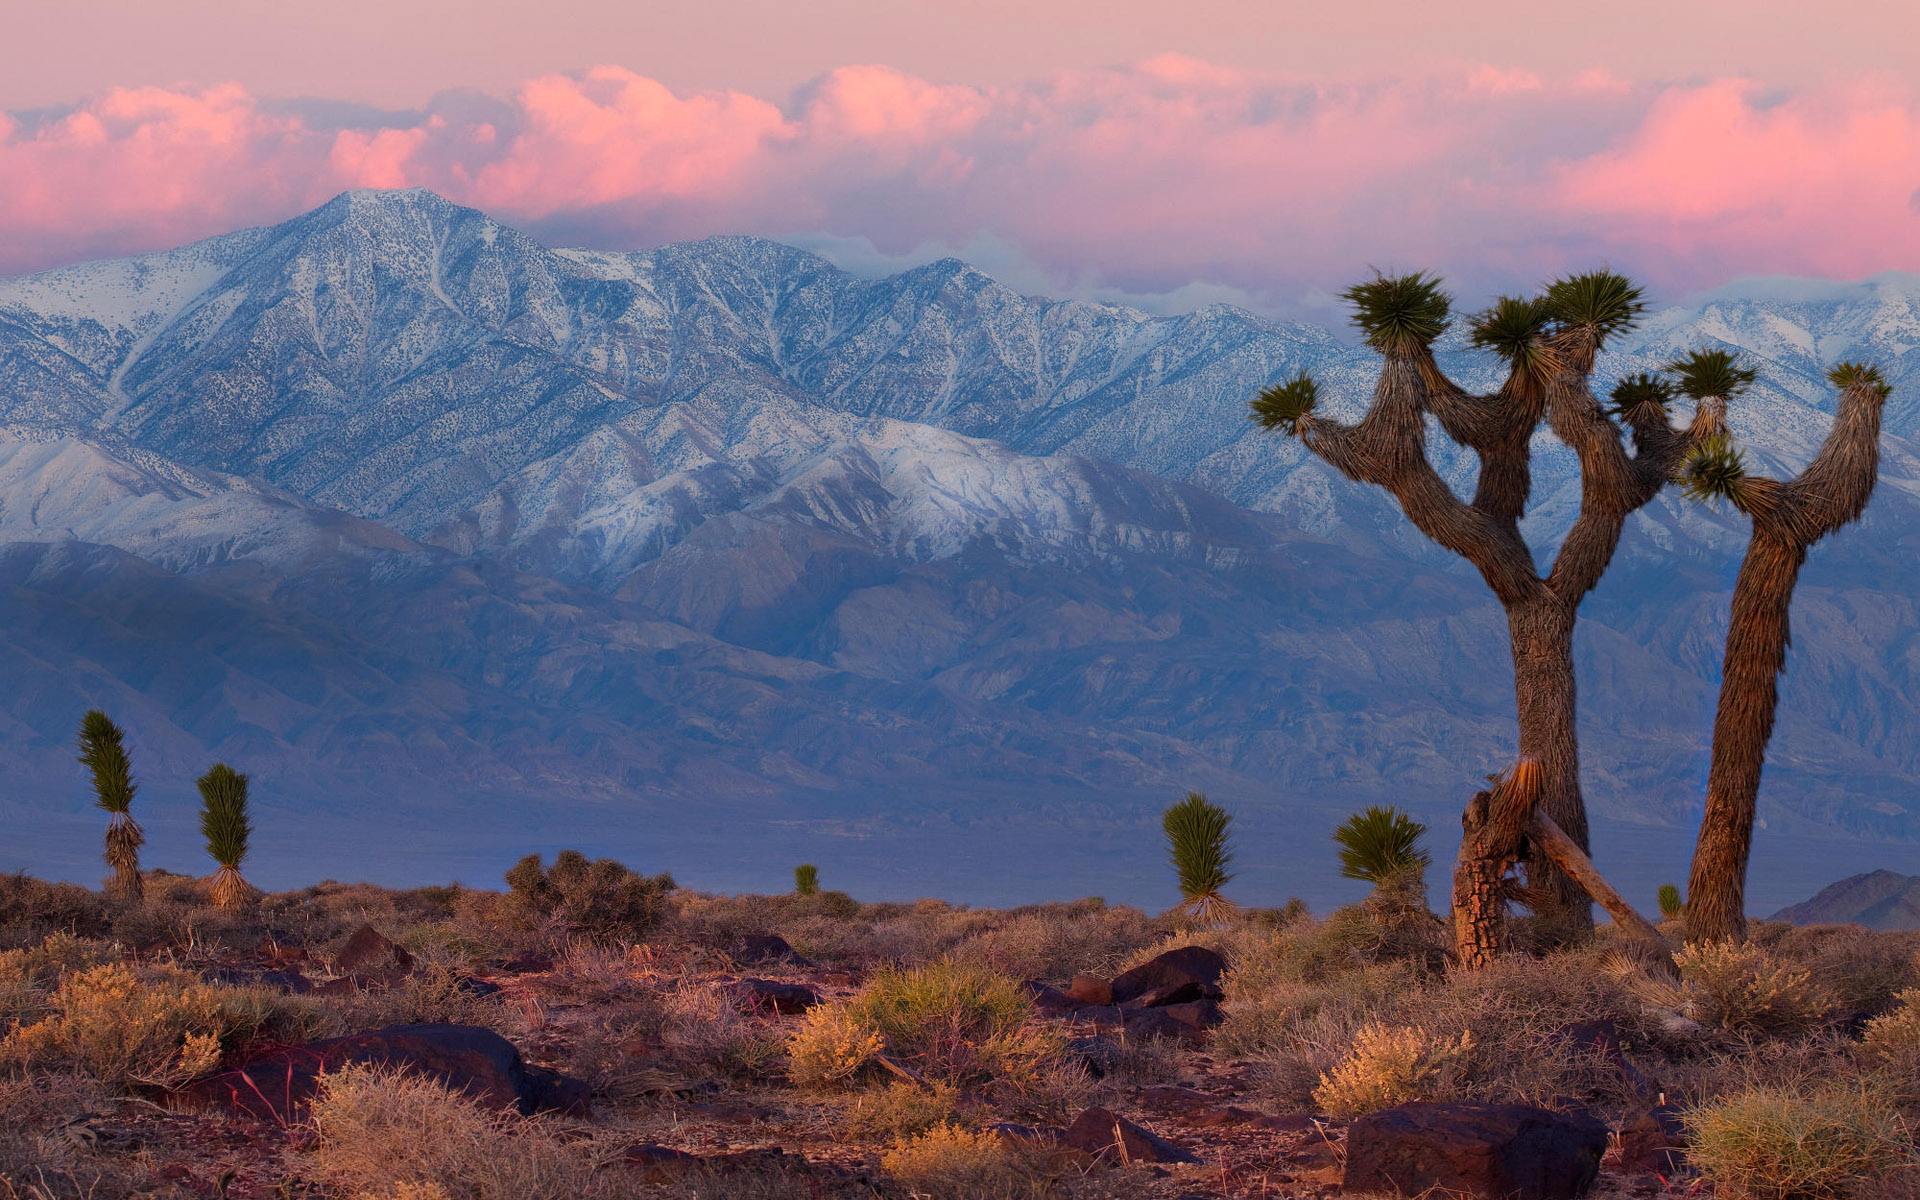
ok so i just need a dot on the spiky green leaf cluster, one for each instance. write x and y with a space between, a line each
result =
1513 329
223 815
1197 845
1704 373
1400 312
103 752
1601 301
1380 843
806 879
1713 470
1851 374
1637 392
1671 903
1282 405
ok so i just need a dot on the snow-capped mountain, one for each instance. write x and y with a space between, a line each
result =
413 493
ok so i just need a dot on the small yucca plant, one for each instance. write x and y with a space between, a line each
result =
1381 845
806 879
104 754
223 822
1198 846
1671 903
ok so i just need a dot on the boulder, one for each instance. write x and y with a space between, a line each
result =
1194 965
1491 1151
278 1084
1099 1133
1050 1001
1599 1042
1100 1054
1653 1141
1086 990
1186 1023
527 962
754 948
787 999
369 950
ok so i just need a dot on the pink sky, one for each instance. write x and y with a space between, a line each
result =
1263 152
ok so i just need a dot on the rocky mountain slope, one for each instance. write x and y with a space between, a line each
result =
391 492
1885 900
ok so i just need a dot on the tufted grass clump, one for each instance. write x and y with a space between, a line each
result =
956 1021
1744 989
1785 1144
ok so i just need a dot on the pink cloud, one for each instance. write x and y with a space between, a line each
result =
1144 179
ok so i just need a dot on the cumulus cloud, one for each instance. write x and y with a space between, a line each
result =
1172 178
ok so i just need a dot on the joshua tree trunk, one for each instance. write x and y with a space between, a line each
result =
1788 518
1549 345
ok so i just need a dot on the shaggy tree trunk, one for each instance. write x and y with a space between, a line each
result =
1788 518
1542 637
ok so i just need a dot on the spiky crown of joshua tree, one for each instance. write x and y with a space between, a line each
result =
1197 845
224 823
1379 844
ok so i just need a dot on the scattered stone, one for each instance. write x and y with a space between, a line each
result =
755 948
1037 1135
1188 964
1600 1041
369 950
1101 1055
473 985
1494 1151
277 1085
1173 993
1100 1134
787 999
1165 1023
292 982
1050 1001
1085 990
1653 1141
1200 1015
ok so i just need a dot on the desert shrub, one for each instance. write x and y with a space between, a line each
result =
902 1110
953 1020
159 1025
701 1025
832 1047
1864 970
1743 988
1779 1144
1387 1066
1895 1037
382 1130
956 1164
600 898
31 908
37 1162
1056 941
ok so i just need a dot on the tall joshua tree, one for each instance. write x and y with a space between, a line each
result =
223 822
104 754
1626 455
1788 518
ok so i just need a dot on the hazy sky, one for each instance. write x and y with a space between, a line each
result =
1259 151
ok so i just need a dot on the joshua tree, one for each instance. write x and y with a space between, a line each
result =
1671 905
223 822
1788 518
1381 846
1197 844
103 753
1548 343
806 879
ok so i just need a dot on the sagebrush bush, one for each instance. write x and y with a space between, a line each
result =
601 898
902 1110
1387 1066
1894 1037
1780 1144
957 1164
954 1020
156 1025
832 1047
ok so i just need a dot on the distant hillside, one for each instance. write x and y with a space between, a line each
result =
1885 900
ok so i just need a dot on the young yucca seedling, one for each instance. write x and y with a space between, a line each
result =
223 821
806 879
1380 845
1197 844
1671 903
103 753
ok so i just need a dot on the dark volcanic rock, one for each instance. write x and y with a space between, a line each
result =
1050 1001
1101 1134
754 948
1493 1151
528 962
1194 965
1653 1140
1087 990
786 999
277 1085
1101 1054
1599 1041
369 950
